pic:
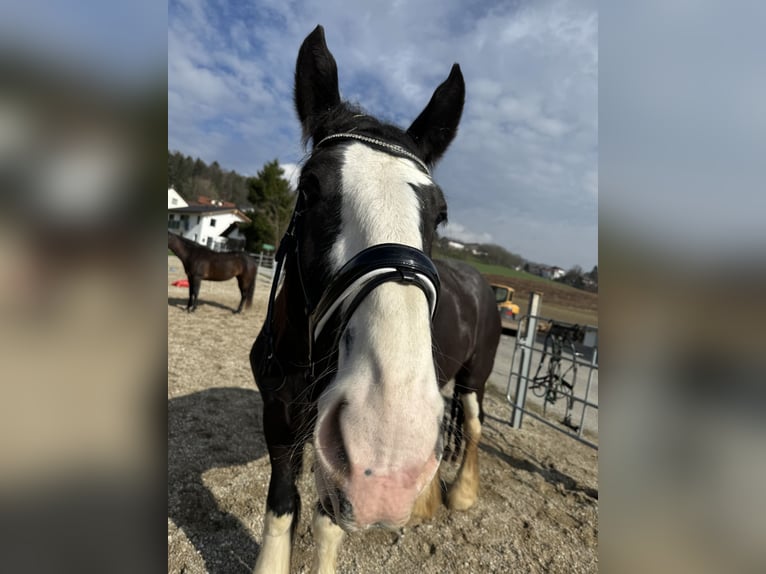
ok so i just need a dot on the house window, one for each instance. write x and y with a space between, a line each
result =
199 218
212 222
174 201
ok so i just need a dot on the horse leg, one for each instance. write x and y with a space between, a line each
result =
327 538
189 305
428 502
250 290
194 284
242 292
458 416
283 502
465 490
449 452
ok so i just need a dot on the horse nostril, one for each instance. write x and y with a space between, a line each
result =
345 508
330 441
326 505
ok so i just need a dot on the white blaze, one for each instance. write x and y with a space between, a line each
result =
387 376
378 202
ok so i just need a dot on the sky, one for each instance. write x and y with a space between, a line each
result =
523 169
683 128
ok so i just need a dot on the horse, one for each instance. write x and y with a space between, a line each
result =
466 330
203 263
365 328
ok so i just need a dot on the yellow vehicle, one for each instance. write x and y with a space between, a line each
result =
509 311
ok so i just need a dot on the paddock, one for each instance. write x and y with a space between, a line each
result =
537 509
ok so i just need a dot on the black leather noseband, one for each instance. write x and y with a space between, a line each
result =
370 268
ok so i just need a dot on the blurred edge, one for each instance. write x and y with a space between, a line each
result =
82 330
682 258
683 459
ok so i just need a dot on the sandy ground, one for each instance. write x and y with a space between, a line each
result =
537 511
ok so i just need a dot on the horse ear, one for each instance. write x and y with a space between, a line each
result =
316 81
436 126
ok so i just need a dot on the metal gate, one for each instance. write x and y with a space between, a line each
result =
266 265
563 360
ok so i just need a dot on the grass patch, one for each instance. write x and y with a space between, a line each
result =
558 312
569 314
560 302
488 269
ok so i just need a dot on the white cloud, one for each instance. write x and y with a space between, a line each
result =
455 230
292 173
526 154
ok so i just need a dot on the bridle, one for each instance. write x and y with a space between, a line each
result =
368 269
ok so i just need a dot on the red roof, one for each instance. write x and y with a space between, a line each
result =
204 200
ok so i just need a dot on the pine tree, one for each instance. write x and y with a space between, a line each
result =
269 193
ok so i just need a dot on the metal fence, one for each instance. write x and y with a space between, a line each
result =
266 265
224 244
564 386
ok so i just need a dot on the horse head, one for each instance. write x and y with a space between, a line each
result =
368 205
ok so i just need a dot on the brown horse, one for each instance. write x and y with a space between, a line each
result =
203 263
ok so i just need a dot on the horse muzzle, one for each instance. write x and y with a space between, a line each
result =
366 500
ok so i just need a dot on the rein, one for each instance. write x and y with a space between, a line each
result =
368 269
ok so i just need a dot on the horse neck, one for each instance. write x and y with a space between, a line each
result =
180 248
293 288
290 315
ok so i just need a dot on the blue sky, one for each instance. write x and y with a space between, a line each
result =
523 170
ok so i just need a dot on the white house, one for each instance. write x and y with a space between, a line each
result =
557 272
213 224
175 200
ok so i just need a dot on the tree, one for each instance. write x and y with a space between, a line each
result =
497 255
199 168
269 193
172 170
574 277
215 175
201 186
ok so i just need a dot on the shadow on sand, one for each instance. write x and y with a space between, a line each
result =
551 475
209 429
181 303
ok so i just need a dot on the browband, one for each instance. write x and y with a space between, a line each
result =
388 147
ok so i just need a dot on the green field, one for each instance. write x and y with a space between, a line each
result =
560 302
488 269
563 313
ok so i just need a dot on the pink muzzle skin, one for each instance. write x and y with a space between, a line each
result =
368 499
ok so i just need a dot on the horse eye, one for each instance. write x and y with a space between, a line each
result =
309 186
309 183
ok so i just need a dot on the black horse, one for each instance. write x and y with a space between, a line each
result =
351 355
203 263
466 331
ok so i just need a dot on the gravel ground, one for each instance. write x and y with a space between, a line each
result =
537 510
